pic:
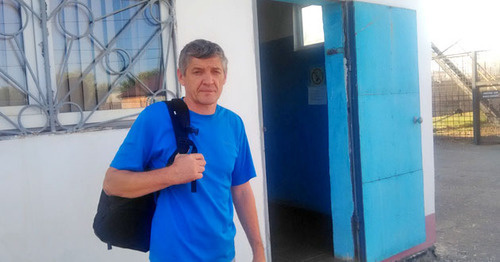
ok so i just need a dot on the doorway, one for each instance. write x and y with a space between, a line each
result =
296 136
352 149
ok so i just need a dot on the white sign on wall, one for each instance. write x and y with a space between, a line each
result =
317 88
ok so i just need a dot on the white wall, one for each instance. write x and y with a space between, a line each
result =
231 24
424 51
49 193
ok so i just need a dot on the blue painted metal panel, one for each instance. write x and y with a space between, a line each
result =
392 207
390 142
386 44
338 133
296 137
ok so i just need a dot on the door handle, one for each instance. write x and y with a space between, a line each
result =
417 119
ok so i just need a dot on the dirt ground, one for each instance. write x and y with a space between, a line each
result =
467 201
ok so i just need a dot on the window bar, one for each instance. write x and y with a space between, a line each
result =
19 86
108 121
135 78
102 54
23 4
45 54
173 39
124 73
121 10
164 65
64 63
35 78
12 123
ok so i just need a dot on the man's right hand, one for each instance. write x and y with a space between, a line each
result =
187 168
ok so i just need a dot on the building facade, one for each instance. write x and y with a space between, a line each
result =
73 75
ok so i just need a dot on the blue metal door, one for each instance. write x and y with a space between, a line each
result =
386 124
375 157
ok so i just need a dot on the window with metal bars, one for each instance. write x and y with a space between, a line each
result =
66 66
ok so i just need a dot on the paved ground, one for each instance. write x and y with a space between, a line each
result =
467 201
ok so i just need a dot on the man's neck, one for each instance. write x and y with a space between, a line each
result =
200 108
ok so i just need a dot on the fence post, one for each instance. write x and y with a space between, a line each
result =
476 98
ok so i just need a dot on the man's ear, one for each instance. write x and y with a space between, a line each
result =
225 78
180 77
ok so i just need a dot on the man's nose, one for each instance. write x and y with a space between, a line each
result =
208 78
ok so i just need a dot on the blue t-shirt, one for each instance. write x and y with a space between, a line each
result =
191 226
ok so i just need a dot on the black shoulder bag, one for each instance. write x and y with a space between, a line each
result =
126 222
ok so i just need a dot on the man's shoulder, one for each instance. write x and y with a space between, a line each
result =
228 113
151 115
233 120
155 109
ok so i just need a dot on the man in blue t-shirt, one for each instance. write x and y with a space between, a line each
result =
192 226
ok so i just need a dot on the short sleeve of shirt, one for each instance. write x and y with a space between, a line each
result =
135 151
244 169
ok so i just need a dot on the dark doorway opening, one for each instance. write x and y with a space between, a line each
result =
296 137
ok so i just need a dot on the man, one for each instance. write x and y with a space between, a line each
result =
192 226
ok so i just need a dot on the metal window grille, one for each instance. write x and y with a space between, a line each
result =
67 66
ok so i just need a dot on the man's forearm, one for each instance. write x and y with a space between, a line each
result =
124 183
244 203
131 184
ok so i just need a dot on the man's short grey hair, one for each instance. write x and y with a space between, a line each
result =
201 49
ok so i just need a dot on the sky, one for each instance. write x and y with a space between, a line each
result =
475 23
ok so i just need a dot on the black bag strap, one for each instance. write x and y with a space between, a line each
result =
179 113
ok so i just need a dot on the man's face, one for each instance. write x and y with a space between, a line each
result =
203 80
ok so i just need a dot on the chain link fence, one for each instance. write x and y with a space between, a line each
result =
466 96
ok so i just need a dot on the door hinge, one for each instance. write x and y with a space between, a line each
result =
334 51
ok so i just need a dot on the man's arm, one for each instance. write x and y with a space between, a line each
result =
244 203
124 183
